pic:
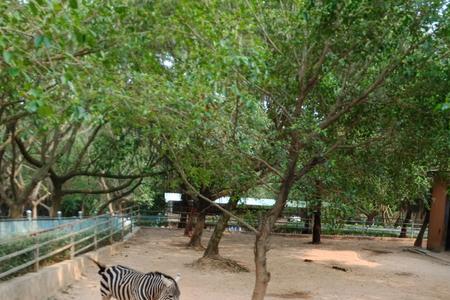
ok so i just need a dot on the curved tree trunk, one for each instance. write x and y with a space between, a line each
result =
213 244
196 238
265 228
405 223
201 206
426 220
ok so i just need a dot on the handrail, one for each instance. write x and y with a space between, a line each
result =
38 232
98 229
89 233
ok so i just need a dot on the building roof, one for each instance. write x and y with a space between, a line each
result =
244 201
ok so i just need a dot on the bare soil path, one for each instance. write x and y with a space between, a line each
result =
374 269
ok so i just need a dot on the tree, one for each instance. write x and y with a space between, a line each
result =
317 67
64 85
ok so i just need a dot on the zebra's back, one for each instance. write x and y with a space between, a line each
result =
124 283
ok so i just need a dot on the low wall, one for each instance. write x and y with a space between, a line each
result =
41 285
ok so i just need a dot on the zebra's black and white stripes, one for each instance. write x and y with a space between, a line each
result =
124 283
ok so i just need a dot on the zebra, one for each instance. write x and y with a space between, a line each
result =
124 283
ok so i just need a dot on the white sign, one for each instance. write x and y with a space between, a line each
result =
172 197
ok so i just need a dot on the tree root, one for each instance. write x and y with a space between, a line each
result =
219 263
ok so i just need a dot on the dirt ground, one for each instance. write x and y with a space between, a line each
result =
376 269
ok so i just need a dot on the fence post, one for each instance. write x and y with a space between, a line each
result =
36 254
95 233
139 216
72 243
111 229
122 232
131 218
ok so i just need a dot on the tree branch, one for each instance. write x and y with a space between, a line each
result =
117 197
86 146
96 192
198 194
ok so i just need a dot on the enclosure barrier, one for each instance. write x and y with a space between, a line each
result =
29 252
287 225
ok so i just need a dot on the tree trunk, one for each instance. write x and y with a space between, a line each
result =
397 221
184 212
426 220
317 227
190 221
57 198
34 209
15 211
262 277
370 218
196 238
405 223
306 229
213 244
111 209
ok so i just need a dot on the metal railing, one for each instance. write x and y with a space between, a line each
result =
28 252
284 225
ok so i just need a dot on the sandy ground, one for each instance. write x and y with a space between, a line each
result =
370 274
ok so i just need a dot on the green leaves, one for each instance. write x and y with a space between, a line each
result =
80 114
73 4
8 57
42 39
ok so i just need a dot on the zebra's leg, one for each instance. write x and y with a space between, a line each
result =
106 297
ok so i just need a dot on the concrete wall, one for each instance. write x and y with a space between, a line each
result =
438 216
46 282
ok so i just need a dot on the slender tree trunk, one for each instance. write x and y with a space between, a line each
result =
34 209
306 229
405 223
262 277
398 220
190 221
183 220
196 238
213 245
317 228
184 212
201 207
111 209
426 220
33 198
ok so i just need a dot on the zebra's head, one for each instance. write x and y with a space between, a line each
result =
171 292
